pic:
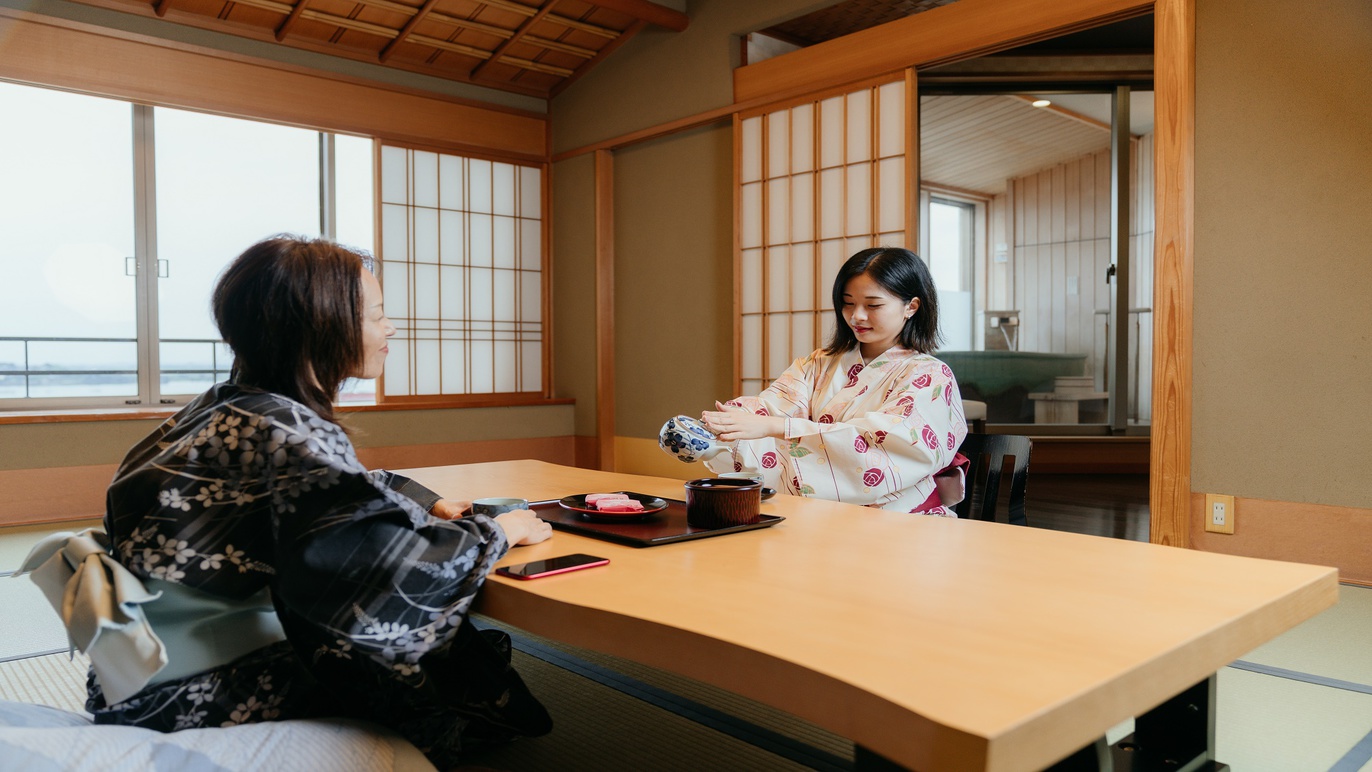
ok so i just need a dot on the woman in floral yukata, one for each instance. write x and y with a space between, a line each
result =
873 418
252 499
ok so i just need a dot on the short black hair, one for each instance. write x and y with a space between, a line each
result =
901 273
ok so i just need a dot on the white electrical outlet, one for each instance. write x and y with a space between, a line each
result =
1219 512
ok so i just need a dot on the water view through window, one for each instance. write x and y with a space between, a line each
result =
78 272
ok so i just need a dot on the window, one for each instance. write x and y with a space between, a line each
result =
817 182
117 220
201 226
67 306
952 246
462 272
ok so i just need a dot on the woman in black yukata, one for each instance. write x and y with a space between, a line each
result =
252 500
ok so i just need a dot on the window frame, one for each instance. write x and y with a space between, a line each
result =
475 399
148 263
973 269
221 83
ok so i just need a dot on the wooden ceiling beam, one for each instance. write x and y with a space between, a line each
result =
529 64
337 21
512 39
489 29
482 53
558 45
448 45
520 8
408 10
388 32
639 9
652 13
270 5
285 26
406 30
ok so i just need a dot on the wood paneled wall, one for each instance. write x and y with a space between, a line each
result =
1060 230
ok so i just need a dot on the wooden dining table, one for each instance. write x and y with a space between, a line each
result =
933 643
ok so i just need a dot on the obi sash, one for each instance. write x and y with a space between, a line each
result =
141 632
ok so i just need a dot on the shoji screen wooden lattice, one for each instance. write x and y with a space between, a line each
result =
817 181
462 274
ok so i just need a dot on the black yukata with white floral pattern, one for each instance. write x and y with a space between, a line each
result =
245 489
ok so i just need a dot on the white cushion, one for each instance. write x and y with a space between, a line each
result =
45 739
974 410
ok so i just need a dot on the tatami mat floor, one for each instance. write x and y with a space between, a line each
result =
16 541
1301 702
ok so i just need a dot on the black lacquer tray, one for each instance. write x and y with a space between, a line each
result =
664 527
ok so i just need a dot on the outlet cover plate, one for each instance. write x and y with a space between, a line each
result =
1212 500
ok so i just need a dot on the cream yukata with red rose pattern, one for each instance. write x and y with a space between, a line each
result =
873 435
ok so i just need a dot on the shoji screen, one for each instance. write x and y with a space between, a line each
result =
462 273
817 182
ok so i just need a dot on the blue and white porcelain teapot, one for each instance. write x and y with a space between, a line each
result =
688 439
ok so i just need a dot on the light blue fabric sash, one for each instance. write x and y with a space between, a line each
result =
137 632
203 631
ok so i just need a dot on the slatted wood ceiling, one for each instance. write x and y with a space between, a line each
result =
978 142
533 47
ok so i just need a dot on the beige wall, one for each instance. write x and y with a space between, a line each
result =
673 223
674 278
1283 251
573 287
660 76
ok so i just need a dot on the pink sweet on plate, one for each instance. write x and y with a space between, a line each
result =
619 505
592 498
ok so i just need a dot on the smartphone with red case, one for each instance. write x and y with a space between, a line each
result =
537 569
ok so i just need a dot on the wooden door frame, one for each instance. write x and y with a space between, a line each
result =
976 27
972 28
1174 142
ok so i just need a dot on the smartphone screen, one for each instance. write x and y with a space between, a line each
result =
558 565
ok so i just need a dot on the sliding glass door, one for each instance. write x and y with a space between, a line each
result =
1047 206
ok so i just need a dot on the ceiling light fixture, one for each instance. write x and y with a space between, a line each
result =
1040 103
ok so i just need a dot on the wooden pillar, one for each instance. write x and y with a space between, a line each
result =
605 309
1173 289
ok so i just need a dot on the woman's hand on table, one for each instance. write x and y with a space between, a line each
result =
730 425
450 509
522 526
